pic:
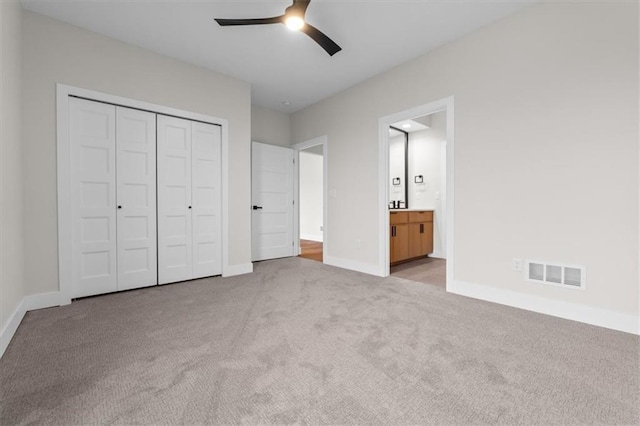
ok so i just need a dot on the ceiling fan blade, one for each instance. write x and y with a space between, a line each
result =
319 37
256 21
300 6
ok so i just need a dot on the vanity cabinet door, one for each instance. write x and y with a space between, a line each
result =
399 242
426 238
415 240
420 239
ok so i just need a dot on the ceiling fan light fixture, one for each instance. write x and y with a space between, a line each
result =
293 18
294 22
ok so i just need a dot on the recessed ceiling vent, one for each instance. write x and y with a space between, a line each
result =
556 274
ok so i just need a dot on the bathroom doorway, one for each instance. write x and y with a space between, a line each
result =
418 171
417 151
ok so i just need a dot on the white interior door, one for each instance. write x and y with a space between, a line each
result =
136 195
174 200
93 197
272 198
207 198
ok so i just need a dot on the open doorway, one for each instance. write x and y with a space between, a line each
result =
417 156
416 149
311 211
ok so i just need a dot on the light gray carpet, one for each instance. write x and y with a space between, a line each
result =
298 341
428 270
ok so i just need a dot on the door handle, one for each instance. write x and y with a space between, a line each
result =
257 207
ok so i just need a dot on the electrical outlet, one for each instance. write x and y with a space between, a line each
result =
517 264
358 244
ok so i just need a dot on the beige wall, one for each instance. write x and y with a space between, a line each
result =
270 126
12 285
55 52
546 149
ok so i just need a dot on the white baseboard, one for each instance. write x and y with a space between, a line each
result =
28 303
311 237
232 270
438 255
557 308
41 301
353 265
11 326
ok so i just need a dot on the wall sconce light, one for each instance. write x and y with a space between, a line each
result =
396 181
418 179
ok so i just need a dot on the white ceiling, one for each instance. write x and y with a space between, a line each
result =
316 150
409 126
281 65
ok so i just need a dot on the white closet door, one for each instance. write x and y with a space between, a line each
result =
174 200
93 197
136 196
206 192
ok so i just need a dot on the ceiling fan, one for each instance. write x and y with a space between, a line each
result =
293 18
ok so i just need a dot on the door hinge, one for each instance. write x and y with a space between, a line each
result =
294 161
294 202
292 245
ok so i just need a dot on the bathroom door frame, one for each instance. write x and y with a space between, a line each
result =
446 104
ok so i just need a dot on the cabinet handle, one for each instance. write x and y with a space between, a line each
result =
119 207
189 206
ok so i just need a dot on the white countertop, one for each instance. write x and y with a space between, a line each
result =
410 210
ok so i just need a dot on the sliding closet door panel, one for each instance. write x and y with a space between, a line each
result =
207 195
93 197
136 195
174 200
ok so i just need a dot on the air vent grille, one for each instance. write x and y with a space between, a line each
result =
556 274
536 271
573 276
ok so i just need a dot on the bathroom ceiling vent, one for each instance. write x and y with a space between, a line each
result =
556 274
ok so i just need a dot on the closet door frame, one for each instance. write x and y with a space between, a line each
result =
63 93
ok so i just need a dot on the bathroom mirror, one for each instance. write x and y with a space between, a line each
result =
398 173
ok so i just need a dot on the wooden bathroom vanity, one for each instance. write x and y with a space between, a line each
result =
411 234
